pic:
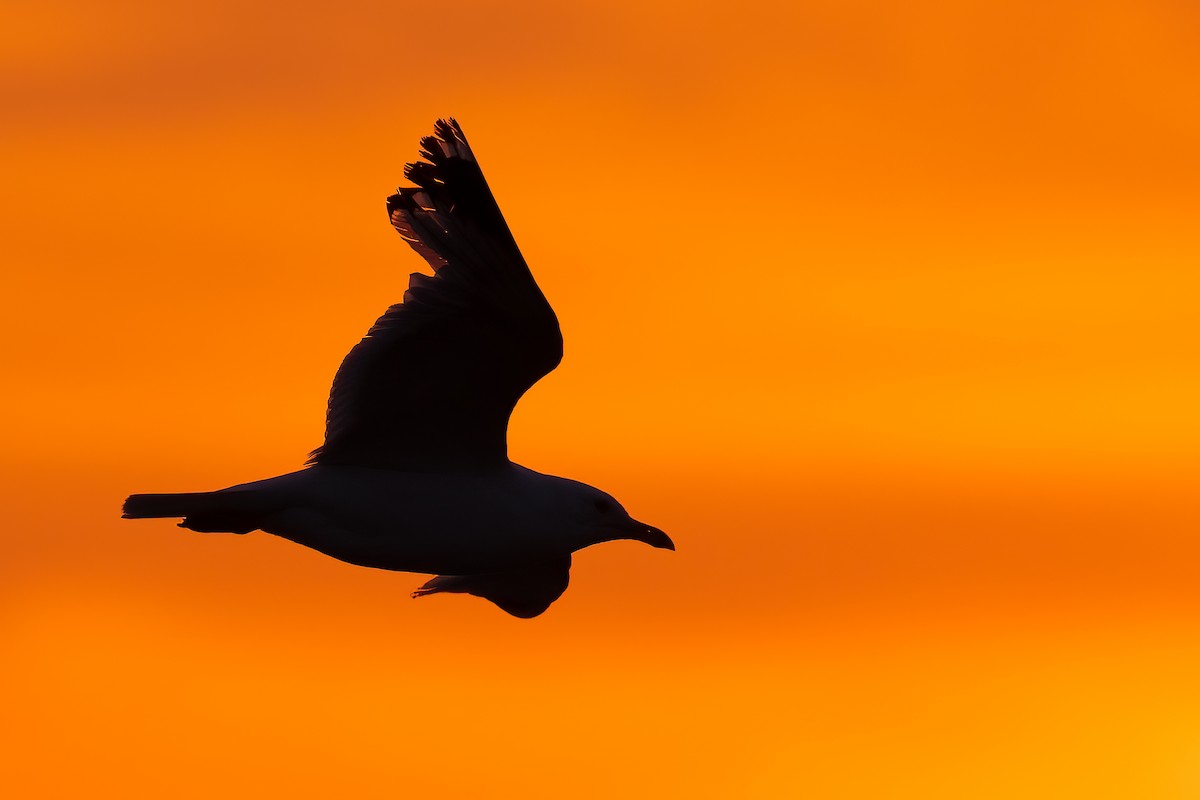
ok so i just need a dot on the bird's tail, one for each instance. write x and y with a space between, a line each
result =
207 512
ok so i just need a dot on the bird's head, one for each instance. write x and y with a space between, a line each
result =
600 518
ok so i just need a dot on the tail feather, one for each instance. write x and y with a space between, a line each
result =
148 506
206 512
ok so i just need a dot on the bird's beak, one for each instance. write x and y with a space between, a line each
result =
650 535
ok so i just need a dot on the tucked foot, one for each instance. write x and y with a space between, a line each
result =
220 523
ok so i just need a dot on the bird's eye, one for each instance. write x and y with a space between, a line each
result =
603 506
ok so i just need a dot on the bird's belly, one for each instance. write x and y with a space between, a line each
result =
407 522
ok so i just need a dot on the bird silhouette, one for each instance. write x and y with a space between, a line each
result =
414 473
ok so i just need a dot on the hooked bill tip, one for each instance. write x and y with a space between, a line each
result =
657 538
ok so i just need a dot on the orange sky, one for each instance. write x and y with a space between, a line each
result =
884 311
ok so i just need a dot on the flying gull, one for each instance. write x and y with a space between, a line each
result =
414 473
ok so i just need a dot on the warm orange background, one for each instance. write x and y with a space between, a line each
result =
885 311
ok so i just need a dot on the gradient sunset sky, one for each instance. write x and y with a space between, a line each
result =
886 312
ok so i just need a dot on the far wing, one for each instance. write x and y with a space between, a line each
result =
523 592
433 383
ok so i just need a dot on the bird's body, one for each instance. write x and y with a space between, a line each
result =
451 523
414 473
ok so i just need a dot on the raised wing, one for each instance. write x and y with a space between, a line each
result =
433 383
